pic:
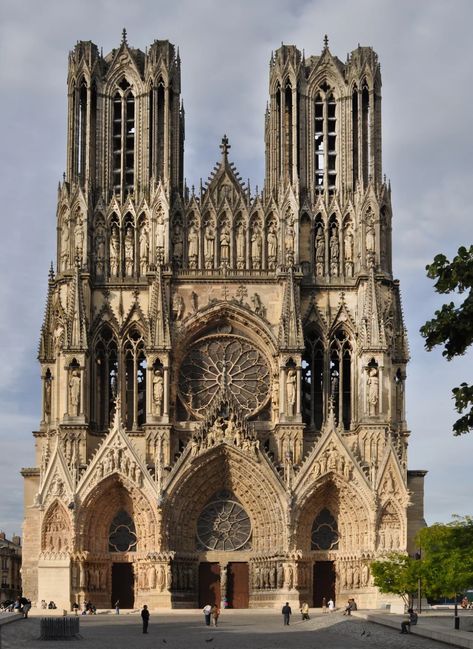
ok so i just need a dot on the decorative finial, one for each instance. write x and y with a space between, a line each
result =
326 41
225 147
124 41
51 271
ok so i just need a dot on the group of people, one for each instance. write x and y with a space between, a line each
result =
211 614
20 605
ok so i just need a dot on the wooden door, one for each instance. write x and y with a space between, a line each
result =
238 594
209 583
123 585
324 582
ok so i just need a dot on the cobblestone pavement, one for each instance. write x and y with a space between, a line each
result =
236 630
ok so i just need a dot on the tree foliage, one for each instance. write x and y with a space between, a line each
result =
452 325
396 573
447 557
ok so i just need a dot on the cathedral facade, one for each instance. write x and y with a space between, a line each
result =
223 371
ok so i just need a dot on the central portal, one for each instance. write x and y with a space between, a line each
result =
209 584
238 594
324 582
123 585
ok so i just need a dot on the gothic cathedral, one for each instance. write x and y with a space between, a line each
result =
223 371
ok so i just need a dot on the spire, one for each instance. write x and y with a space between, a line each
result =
325 42
373 328
45 350
290 326
124 41
158 315
76 312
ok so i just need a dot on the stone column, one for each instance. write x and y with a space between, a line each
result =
298 391
82 391
282 391
166 392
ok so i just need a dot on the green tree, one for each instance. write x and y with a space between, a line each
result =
452 325
447 557
398 574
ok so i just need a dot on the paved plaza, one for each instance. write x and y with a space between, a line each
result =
250 629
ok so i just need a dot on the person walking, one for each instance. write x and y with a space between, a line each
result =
207 610
324 605
331 605
286 611
305 611
145 618
117 607
215 612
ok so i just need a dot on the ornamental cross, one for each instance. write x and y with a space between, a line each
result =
225 146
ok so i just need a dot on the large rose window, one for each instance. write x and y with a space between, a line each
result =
224 364
223 525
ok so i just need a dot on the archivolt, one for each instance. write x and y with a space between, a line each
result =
256 488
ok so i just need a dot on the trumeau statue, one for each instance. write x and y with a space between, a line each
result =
216 379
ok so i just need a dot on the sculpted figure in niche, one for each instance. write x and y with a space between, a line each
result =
348 247
160 229
193 247
370 237
65 245
373 390
99 254
258 306
178 306
129 256
289 242
177 243
47 399
291 391
272 246
225 246
74 393
158 392
144 250
240 246
114 252
319 251
209 238
79 237
334 252
256 247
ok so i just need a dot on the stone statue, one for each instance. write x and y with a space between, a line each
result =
289 242
158 392
348 245
370 237
272 246
291 391
114 252
373 390
177 244
79 238
225 246
144 250
240 246
74 393
160 231
258 306
65 259
334 252
178 306
319 252
129 256
256 247
47 398
209 239
194 302
99 254
193 247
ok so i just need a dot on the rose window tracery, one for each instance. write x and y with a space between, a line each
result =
325 532
224 364
223 525
122 534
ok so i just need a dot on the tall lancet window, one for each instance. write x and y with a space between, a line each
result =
123 139
106 378
325 140
340 377
135 380
82 132
313 380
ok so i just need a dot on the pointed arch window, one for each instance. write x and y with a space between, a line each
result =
313 380
325 532
325 140
106 378
340 377
123 139
135 379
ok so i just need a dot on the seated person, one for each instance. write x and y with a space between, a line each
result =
405 626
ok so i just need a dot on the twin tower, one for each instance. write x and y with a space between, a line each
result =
223 372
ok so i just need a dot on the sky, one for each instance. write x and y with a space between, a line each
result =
426 54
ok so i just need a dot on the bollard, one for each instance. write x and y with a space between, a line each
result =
457 622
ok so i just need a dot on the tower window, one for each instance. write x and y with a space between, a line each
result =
123 139
325 141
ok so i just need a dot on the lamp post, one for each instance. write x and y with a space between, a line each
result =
418 557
